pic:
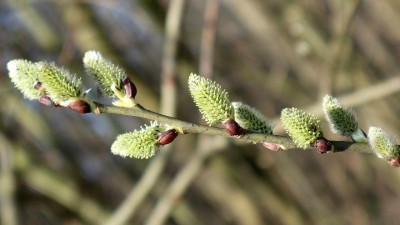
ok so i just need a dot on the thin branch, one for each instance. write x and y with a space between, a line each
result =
208 38
168 74
187 127
8 210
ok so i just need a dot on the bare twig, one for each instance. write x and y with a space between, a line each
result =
8 210
208 38
168 76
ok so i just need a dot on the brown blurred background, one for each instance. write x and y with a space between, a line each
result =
56 166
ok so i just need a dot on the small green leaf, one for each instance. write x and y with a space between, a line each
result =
302 127
140 144
212 100
251 119
24 75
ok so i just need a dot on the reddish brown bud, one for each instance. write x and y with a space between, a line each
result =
46 100
80 106
167 137
232 127
130 88
323 145
395 162
272 146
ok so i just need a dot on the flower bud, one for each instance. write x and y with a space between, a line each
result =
24 75
322 145
106 73
130 88
167 137
395 162
302 127
251 119
342 120
211 99
80 106
140 144
232 127
60 85
383 145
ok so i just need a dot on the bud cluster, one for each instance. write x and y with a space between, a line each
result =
55 86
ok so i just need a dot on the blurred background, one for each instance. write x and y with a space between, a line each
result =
56 166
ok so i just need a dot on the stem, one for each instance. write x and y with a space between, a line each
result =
187 127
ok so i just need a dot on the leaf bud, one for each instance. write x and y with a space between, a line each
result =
232 127
167 137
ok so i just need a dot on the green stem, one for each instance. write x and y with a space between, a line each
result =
186 127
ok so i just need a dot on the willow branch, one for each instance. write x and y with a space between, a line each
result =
187 127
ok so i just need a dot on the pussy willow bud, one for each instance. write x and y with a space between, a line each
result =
167 137
212 100
24 75
342 120
140 144
59 84
383 144
251 119
105 72
302 127
232 127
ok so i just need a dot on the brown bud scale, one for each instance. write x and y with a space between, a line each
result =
130 88
80 106
271 146
232 127
46 100
322 145
167 137
395 162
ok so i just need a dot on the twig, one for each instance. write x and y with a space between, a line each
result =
188 127
338 44
8 210
168 76
208 38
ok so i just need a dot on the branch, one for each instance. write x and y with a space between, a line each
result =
187 127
